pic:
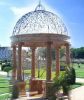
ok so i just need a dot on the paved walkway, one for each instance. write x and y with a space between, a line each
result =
81 80
3 73
77 94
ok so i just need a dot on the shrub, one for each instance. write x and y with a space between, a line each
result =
15 92
3 66
62 82
59 83
71 75
7 69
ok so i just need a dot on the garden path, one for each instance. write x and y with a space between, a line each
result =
81 80
77 94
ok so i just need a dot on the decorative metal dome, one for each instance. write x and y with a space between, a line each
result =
40 21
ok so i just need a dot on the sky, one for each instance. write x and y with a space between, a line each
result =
70 11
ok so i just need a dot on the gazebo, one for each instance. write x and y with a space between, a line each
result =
39 28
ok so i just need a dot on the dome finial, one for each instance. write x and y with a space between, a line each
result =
39 6
39 2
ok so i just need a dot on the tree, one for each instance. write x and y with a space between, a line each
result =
7 69
78 52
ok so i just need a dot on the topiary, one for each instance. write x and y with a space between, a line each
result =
71 75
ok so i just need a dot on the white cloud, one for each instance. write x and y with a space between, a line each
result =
19 11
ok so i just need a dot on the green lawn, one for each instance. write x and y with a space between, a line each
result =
79 71
76 85
4 85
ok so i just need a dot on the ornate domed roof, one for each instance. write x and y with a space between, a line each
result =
40 21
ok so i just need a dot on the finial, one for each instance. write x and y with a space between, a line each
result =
39 2
39 6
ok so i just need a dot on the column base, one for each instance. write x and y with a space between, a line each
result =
37 85
47 93
22 90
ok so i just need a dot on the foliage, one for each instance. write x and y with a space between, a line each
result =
7 69
6 64
63 81
76 85
77 52
59 83
62 66
3 66
71 75
15 92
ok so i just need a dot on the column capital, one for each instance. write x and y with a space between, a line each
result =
14 45
20 43
67 44
33 48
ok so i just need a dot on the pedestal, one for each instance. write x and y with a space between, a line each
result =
37 85
22 90
48 91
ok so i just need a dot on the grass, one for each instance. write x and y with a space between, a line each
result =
4 85
79 74
76 85
79 70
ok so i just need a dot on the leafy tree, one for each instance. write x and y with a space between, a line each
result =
77 52
7 69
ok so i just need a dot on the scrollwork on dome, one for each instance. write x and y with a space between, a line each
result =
40 21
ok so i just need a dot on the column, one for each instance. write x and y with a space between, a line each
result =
68 55
19 67
48 70
57 61
49 62
33 63
14 63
